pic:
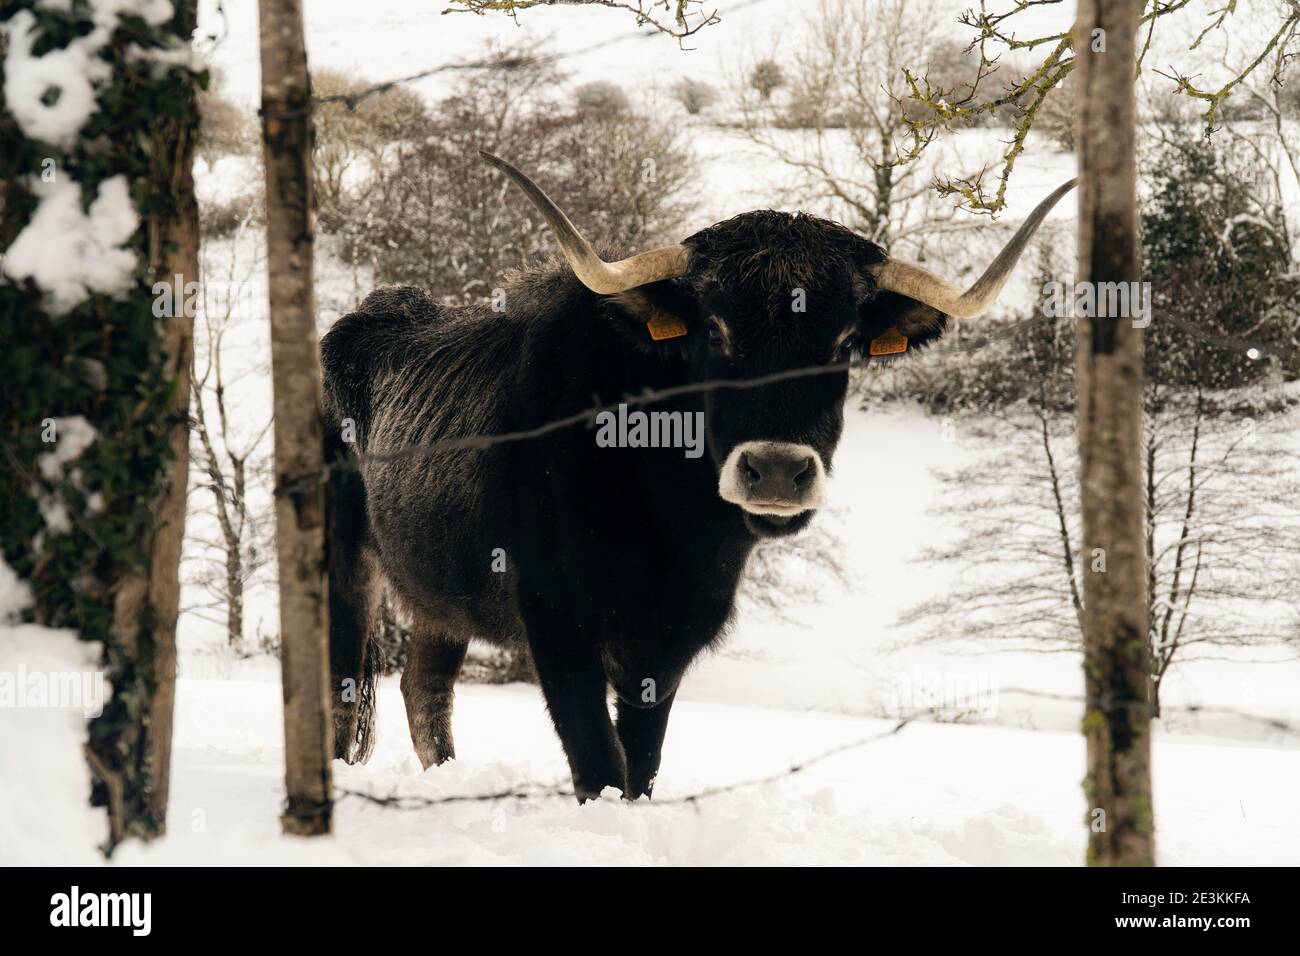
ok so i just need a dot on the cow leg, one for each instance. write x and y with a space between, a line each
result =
428 687
573 683
641 731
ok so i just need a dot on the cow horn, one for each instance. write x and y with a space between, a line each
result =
606 278
916 282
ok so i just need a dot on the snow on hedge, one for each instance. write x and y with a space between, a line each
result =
45 811
52 96
73 435
72 254
66 251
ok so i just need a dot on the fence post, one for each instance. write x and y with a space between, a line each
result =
299 452
1117 718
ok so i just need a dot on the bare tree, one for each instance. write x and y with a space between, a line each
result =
678 19
839 125
694 95
619 173
766 77
1221 554
1056 116
1273 144
783 573
1222 538
1055 57
1219 478
352 139
224 127
224 454
602 98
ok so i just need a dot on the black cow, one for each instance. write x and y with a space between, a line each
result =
615 565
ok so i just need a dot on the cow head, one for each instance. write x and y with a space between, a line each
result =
774 297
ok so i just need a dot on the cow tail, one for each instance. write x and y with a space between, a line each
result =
356 655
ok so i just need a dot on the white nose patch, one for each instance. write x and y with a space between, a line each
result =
773 478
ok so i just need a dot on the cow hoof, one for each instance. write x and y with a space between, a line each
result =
436 753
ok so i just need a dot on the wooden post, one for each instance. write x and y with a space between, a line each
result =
1117 721
299 452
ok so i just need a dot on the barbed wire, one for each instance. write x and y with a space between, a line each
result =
1277 723
397 801
415 802
793 769
565 790
587 416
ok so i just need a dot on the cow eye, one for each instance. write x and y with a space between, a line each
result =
717 335
844 351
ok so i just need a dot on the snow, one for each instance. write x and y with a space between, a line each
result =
51 96
73 435
15 593
1002 790
45 815
71 254
932 794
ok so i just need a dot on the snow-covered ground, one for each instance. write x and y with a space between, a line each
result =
781 693
928 795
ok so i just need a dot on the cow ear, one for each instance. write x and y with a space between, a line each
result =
891 325
658 319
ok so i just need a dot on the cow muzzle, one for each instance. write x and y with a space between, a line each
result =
773 479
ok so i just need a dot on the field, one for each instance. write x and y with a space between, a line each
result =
820 733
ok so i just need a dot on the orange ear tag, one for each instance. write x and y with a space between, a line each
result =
890 342
662 326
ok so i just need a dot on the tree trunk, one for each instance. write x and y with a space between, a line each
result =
154 592
884 174
234 597
299 450
177 251
1117 670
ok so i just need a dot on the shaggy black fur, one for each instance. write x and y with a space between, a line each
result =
621 565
